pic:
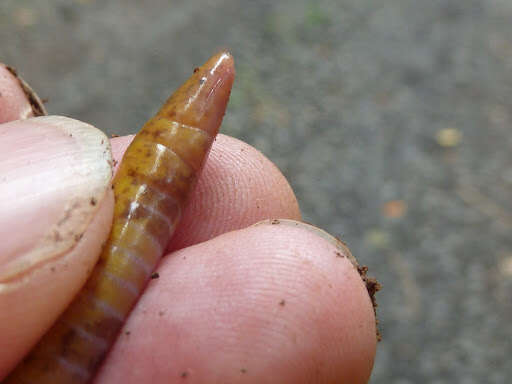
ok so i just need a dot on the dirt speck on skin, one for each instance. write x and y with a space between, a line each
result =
93 201
243 370
155 275
282 303
184 374
339 254
372 286
274 222
127 333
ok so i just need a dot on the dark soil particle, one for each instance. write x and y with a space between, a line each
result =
372 286
155 275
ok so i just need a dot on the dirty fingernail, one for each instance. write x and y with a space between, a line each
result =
17 99
54 171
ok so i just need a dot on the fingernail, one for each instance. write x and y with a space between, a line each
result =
17 99
339 244
54 172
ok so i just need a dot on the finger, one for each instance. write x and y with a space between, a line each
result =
266 304
56 208
17 99
238 187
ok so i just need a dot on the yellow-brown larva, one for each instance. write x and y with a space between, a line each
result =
151 187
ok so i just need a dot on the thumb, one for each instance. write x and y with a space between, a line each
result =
55 212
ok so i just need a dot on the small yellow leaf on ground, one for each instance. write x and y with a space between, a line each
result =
448 137
506 266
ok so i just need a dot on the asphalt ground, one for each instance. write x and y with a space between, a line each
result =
391 119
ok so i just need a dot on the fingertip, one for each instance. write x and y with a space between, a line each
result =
54 172
318 277
57 204
270 303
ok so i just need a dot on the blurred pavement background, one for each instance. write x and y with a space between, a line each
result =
391 119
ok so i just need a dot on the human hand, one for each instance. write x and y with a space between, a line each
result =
277 302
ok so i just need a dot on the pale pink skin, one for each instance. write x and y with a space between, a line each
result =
271 303
13 102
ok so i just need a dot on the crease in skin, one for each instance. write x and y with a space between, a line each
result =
154 180
61 237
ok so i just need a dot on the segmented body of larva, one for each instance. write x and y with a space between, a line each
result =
151 187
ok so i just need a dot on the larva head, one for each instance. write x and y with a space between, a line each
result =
201 101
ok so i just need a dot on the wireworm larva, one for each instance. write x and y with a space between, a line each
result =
151 187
